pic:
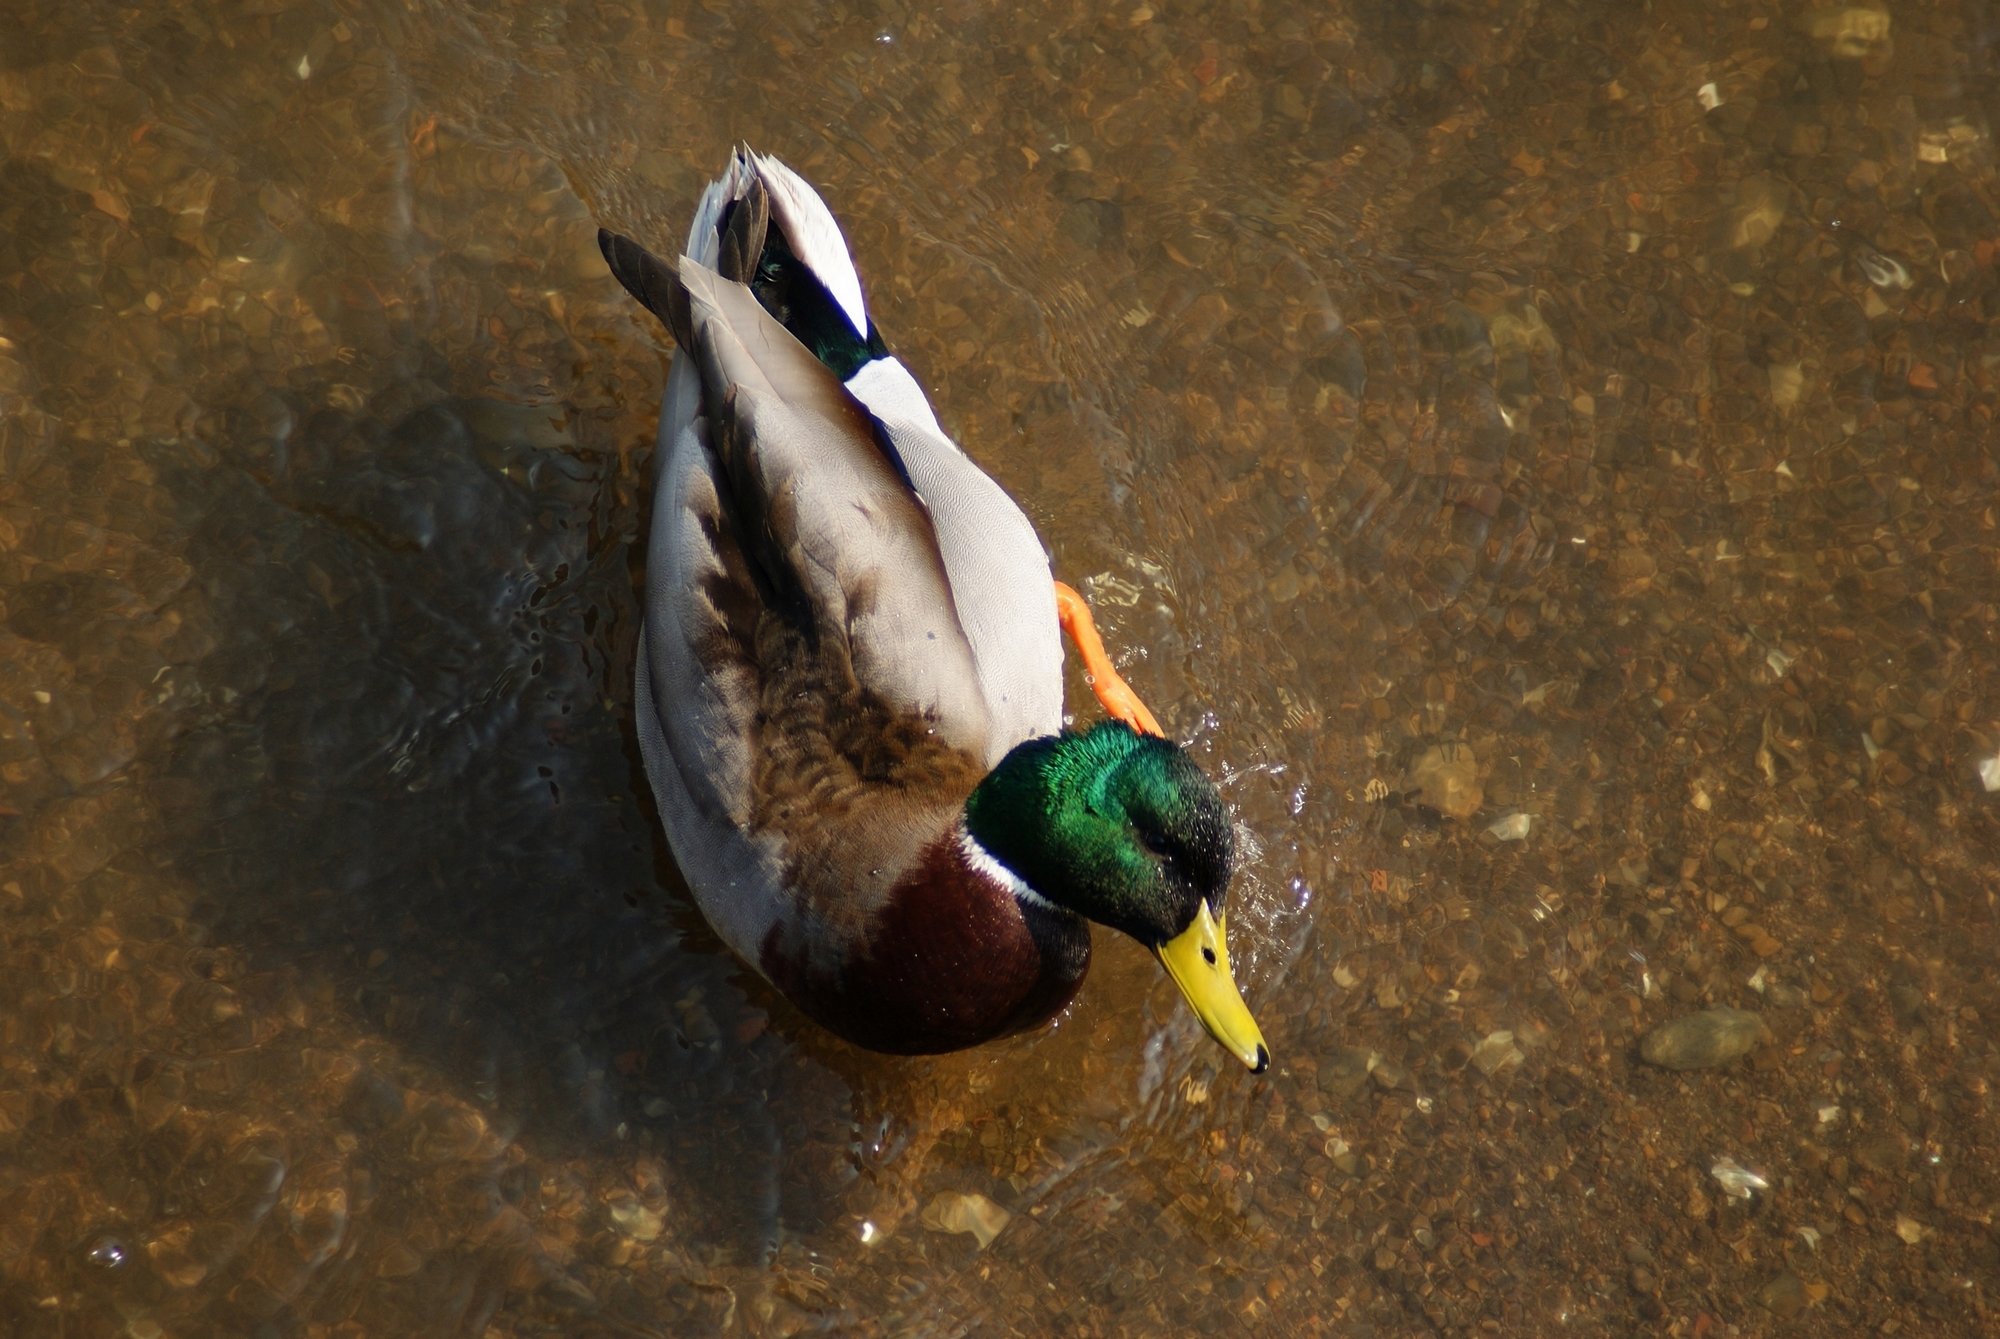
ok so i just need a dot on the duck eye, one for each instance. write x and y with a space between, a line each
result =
1156 842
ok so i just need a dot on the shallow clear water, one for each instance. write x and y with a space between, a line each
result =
1541 456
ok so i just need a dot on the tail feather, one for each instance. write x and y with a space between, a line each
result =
746 228
649 279
814 236
778 195
800 269
704 240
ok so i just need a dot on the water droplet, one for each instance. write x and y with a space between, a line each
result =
106 1253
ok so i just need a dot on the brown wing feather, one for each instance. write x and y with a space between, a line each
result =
854 787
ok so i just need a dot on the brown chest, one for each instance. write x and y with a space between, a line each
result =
950 959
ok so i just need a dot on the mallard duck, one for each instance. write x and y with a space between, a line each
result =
850 678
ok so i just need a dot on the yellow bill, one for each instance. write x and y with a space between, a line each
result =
1198 960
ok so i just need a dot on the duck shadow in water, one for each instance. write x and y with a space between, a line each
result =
415 777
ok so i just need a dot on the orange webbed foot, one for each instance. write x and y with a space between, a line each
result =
1112 692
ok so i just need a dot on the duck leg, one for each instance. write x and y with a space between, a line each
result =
1113 693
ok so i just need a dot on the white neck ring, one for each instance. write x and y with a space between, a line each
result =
986 863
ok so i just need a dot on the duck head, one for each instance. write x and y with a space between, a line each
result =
1124 829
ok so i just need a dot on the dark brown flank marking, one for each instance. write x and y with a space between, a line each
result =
725 642
952 960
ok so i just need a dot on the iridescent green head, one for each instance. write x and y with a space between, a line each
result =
1124 829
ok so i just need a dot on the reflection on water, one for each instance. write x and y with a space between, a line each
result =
1540 456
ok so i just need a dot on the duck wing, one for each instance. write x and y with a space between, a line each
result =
801 649
823 514
764 223
998 570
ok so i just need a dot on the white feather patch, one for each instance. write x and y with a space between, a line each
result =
893 395
984 862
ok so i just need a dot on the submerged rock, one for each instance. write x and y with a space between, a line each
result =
634 1219
1495 1052
1345 1073
1704 1040
973 1214
1783 1296
1446 778
1737 1181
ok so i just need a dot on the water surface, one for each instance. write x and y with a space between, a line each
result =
1540 457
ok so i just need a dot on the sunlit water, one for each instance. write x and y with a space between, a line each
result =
1542 457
